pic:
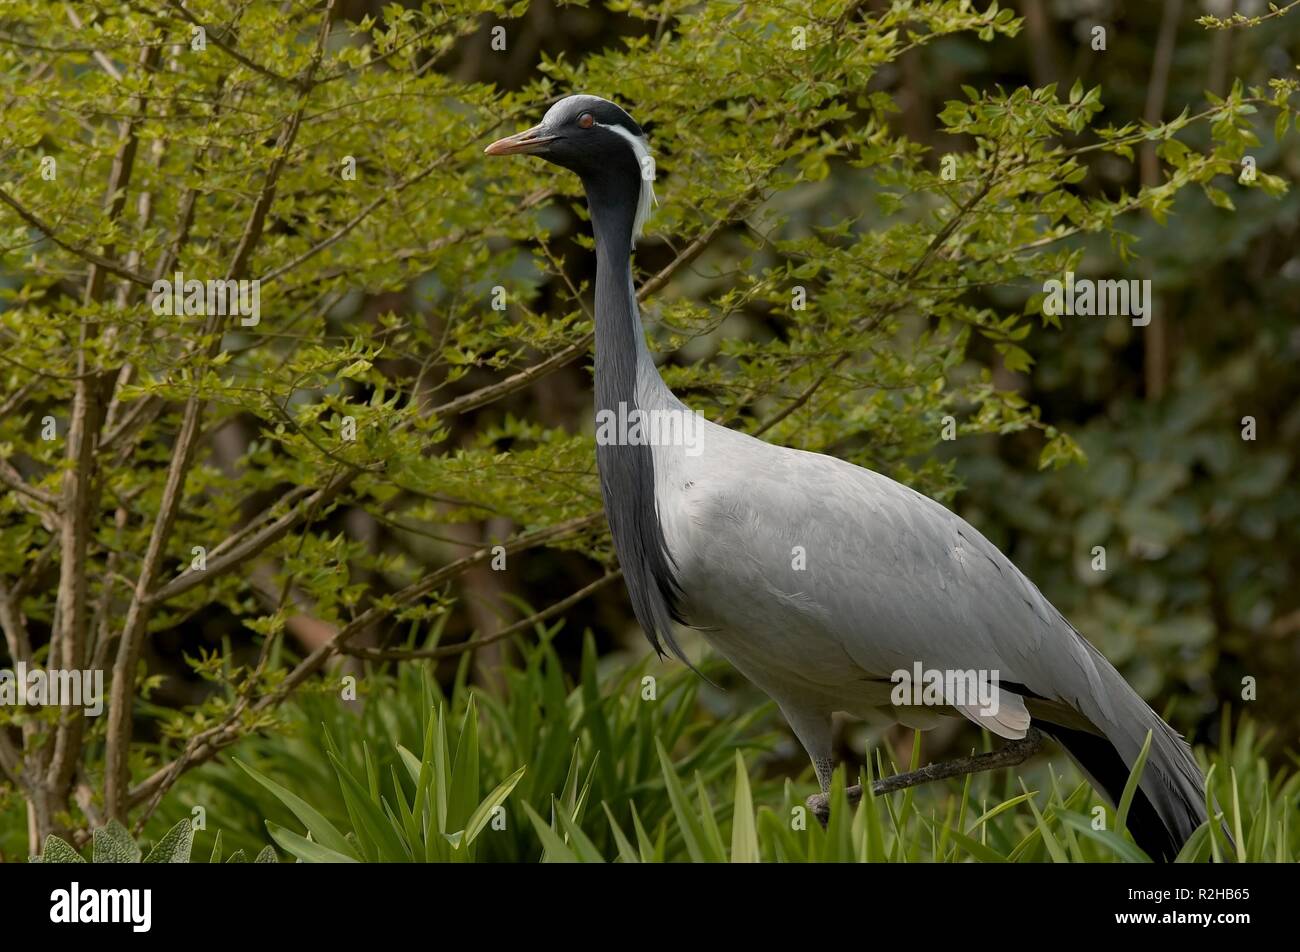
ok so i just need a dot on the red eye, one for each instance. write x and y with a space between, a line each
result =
586 120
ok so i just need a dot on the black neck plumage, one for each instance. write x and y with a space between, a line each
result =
625 378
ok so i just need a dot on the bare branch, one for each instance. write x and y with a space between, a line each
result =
1008 755
421 588
232 554
229 731
14 480
16 398
68 641
81 251
104 62
450 651
10 761
13 626
117 767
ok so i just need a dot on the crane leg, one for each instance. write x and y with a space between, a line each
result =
824 766
813 728
1008 755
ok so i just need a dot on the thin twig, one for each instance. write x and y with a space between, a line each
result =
226 733
116 766
80 486
451 651
14 480
212 36
81 251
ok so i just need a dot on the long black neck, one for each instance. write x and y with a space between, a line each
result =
620 343
627 474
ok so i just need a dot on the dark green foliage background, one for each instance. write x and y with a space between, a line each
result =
778 166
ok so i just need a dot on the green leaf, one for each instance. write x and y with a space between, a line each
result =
112 843
321 829
744 832
369 817
556 850
1121 847
688 825
1131 786
214 857
976 848
303 848
626 852
1049 839
1218 197
582 846
175 845
483 813
463 786
57 851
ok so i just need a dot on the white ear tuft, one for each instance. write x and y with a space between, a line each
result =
646 163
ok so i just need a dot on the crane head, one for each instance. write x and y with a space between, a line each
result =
594 138
580 133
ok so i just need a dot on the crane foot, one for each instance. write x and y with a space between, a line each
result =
1012 753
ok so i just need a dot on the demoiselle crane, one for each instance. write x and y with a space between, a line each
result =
708 534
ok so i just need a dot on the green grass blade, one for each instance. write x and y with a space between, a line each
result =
324 832
1111 840
555 849
626 851
303 848
744 833
480 817
977 849
1131 786
463 785
687 824
580 843
1049 839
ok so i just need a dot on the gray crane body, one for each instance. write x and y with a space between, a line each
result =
820 580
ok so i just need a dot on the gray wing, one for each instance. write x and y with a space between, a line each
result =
887 575
891 578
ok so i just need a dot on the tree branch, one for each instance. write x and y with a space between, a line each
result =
81 251
122 694
226 733
235 554
1008 755
14 480
10 760
451 651
215 39
68 641
13 626
104 62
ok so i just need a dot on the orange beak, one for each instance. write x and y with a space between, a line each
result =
521 143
